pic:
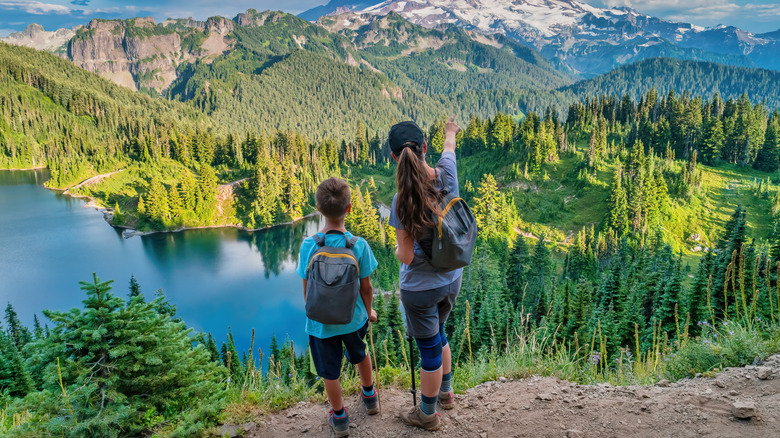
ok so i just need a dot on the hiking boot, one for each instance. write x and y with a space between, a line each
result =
340 426
415 417
446 400
371 403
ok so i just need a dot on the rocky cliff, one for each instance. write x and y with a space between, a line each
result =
141 54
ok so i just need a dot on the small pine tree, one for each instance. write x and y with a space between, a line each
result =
135 288
211 345
118 361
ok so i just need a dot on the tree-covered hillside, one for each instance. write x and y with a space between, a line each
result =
697 78
291 74
76 123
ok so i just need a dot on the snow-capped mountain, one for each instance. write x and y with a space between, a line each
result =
580 37
36 37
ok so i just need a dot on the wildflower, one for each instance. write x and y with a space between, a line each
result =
595 358
289 374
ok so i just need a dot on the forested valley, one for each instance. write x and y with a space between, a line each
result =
624 236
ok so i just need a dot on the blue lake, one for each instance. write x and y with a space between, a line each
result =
217 278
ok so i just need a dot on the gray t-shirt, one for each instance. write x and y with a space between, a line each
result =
421 275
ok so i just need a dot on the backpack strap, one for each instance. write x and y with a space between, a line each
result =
444 180
320 241
348 243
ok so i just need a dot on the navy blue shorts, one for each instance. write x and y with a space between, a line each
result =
326 353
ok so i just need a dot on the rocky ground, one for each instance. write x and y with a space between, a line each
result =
738 402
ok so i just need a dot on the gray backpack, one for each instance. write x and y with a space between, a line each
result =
455 235
332 282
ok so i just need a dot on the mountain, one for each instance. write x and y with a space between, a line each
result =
272 70
36 37
580 38
696 78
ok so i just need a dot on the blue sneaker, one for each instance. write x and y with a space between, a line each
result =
340 426
371 402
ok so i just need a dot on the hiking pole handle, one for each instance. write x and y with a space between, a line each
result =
411 367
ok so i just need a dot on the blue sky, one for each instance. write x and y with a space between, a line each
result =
752 15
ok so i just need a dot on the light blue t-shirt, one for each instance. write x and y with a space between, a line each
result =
421 275
366 264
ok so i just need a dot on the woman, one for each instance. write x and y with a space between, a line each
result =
427 295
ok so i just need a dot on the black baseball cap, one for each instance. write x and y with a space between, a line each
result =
403 132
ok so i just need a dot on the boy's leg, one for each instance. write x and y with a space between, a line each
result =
326 354
333 390
356 354
366 372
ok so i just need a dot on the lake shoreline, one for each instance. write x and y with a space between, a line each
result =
131 232
128 232
15 169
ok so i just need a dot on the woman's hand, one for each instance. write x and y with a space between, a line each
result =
372 316
451 127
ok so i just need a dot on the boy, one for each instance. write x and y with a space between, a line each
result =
325 340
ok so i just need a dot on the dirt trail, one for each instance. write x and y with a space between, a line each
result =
93 180
547 407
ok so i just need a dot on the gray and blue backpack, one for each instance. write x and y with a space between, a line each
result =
332 282
450 245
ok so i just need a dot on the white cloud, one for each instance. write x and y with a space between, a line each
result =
33 7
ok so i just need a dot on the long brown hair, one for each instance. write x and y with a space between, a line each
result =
417 197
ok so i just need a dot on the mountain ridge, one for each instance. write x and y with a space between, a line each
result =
572 32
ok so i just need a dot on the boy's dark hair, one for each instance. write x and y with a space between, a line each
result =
333 197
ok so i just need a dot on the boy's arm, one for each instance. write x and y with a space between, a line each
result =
304 290
367 294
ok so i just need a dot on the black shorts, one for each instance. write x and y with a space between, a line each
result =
326 353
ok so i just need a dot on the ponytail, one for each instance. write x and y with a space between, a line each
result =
417 197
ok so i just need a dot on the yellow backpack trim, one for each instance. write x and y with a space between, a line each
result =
329 254
444 212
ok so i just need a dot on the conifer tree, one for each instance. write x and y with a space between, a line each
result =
18 334
120 360
15 378
211 346
618 209
135 288
37 329
768 158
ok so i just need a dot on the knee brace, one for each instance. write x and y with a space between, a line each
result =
444 341
430 353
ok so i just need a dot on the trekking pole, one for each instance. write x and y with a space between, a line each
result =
376 368
412 366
